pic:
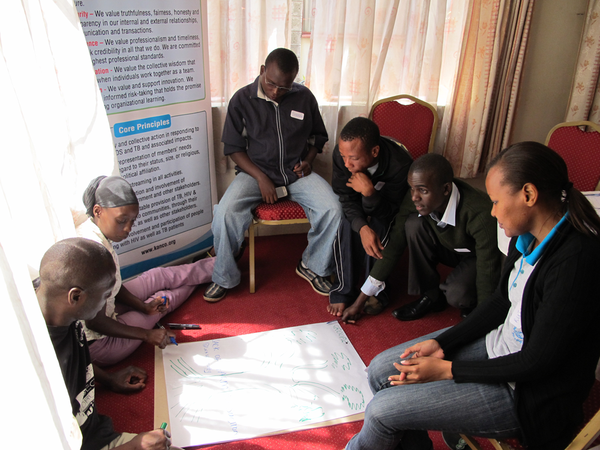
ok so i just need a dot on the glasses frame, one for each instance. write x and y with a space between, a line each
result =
274 86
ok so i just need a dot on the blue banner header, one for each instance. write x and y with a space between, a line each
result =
143 125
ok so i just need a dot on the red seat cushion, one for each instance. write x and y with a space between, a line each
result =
280 210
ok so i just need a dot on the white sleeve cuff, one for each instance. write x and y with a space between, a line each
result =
372 286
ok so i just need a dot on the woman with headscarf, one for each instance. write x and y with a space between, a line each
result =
134 308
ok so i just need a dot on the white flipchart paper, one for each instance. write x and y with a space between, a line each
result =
262 383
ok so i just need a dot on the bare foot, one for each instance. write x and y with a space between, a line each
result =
336 309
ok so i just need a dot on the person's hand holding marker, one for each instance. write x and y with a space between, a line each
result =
159 439
157 305
302 169
170 335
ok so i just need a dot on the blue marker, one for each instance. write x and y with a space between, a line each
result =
173 341
165 300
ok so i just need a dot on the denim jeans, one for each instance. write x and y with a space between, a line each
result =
233 214
398 417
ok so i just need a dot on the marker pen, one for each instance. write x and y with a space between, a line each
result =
184 326
173 341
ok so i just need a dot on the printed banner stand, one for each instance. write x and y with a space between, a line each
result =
151 63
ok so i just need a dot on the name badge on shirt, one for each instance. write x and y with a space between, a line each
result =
462 250
379 185
297 115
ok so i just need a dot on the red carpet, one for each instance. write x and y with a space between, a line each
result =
282 299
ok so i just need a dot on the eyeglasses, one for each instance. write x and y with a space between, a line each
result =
275 87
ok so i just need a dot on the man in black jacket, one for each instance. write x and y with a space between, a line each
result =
369 176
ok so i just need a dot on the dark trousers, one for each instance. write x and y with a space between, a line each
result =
351 263
425 253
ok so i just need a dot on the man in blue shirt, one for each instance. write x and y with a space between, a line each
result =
273 132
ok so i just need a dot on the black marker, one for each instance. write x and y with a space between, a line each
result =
184 326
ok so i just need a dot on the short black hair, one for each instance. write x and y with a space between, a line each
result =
435 164
361 128
286 60
75 262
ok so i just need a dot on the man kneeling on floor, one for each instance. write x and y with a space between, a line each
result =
76 277
369 176
442 220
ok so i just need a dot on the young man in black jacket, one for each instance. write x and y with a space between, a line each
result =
369 176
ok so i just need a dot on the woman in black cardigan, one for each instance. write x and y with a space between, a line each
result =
523 362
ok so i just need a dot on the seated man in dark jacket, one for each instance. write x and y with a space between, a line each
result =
369 176
273 132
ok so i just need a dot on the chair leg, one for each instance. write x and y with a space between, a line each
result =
251 258
499 445
473 444
588 435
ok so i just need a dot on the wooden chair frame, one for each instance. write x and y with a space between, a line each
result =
582 123
251 233
415 100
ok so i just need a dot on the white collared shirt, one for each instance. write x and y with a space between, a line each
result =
372 286
261 94
449 217
508 337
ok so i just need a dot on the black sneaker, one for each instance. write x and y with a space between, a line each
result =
454 441
321 285
214 293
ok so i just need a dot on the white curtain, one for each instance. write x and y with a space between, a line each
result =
360 51
584 103
365 50
241 33
478 118
462 56
55 139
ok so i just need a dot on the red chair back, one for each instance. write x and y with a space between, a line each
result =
408 120
581 151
